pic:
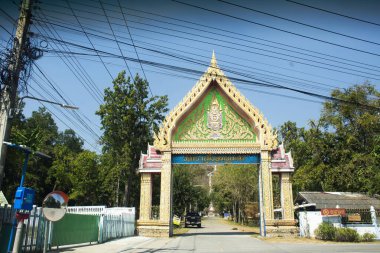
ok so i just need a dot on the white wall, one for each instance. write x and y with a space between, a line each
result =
309 221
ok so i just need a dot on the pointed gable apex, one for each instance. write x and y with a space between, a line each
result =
215 76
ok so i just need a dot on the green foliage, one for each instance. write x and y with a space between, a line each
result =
187 194
346 235
128 117
367 237
325 231
339 151
85 166
233 187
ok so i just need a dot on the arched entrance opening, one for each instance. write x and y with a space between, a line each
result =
215 124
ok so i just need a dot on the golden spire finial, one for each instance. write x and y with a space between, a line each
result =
213 60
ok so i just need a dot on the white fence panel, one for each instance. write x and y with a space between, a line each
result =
117 222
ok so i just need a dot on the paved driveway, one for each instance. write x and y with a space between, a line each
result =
216 236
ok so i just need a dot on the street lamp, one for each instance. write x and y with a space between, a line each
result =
50 102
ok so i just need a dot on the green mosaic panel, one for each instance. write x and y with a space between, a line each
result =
194 127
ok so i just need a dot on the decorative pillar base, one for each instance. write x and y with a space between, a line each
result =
281 228
153 228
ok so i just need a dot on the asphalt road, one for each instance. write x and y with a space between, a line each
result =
216 236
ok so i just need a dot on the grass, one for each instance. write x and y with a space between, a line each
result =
243 228
180 231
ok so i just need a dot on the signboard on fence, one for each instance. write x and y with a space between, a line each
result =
354 217
333 212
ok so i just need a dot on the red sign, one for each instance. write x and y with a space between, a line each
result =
333 212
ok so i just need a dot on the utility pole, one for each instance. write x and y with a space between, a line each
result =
8 98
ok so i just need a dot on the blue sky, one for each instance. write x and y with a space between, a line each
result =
163 29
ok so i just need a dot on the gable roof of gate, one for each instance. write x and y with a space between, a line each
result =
214 76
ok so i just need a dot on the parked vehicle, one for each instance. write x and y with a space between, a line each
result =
193 219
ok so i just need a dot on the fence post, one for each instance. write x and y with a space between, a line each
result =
374 221
100 240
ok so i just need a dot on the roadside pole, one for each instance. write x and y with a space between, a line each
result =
8 99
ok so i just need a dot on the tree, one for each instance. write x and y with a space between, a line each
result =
71 140
68 147
234 186
189 194
182 190
339 151
85 166
128 117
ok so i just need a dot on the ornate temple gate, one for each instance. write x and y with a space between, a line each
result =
214 123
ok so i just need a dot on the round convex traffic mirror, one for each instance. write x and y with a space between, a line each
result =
54 205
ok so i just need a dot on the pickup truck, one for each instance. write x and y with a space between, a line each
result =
193 219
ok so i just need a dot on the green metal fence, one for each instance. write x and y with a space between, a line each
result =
75 229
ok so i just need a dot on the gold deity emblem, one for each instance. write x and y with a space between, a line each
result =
214 119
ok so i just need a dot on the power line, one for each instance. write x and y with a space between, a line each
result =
256 53
113 33
299 23
188 46
278 29
79 72
74 113
59 119
72 11
5 29
258 49
133 43
10 18
243 35
209 27
194 78
263 44
245 81
335 13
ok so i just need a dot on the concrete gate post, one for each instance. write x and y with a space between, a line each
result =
286 196
146 196
267 185
166 194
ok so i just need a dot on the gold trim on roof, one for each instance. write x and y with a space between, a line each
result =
266 137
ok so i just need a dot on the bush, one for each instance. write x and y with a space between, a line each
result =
346 235
325 231
367 237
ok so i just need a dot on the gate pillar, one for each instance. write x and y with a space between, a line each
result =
146 196
266 178
166 194
286 196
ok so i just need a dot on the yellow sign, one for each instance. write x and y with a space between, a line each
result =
354 217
